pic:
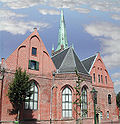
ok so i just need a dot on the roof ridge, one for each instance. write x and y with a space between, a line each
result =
93 62
89 57
60 52
65 57
81 63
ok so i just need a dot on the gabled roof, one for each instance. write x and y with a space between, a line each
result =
67 61
88 62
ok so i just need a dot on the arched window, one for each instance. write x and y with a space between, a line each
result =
32 101
109 99
67 103
84 102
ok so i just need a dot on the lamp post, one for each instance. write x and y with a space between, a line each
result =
94 97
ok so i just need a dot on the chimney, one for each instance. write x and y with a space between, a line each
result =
2 61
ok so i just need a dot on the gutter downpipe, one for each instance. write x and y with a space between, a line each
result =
51 97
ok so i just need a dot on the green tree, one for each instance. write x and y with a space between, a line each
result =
118 100
18 90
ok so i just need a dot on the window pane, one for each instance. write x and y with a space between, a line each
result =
35 105
26 105
109 99
63 98
67 105
31 105
66 97
63 91
31 97
99 78
107 114
94 77
34 51
63 113
67 91
36 89
106 79
70 113
63 106
67 115
33 65
35 97
70 98
70 105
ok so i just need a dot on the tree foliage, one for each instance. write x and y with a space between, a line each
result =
118 100
19 89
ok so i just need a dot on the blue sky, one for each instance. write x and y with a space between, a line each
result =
92 26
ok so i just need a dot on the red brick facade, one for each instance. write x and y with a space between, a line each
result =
44 81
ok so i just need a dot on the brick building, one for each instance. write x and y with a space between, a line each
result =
53 79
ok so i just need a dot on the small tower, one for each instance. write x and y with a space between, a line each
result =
62 36
52 49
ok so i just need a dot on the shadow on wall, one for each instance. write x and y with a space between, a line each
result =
26 116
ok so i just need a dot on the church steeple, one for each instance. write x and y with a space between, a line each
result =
62 36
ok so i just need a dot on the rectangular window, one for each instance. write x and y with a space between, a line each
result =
34 51
94 77
99 78
109 99
106 79
34 65
107 114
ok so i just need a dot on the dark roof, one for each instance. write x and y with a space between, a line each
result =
67 61
88 62
58 58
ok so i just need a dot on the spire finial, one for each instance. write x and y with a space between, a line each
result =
52 47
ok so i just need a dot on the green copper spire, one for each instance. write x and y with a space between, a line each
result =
62 36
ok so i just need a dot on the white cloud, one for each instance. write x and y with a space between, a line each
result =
82 10
11 22
20 27
105 29
116 83
105 5
108 34
18 4
116 75
6 14
101 5
116 17
117 86
49 12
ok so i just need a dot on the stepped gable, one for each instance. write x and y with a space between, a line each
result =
88 62
67 61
